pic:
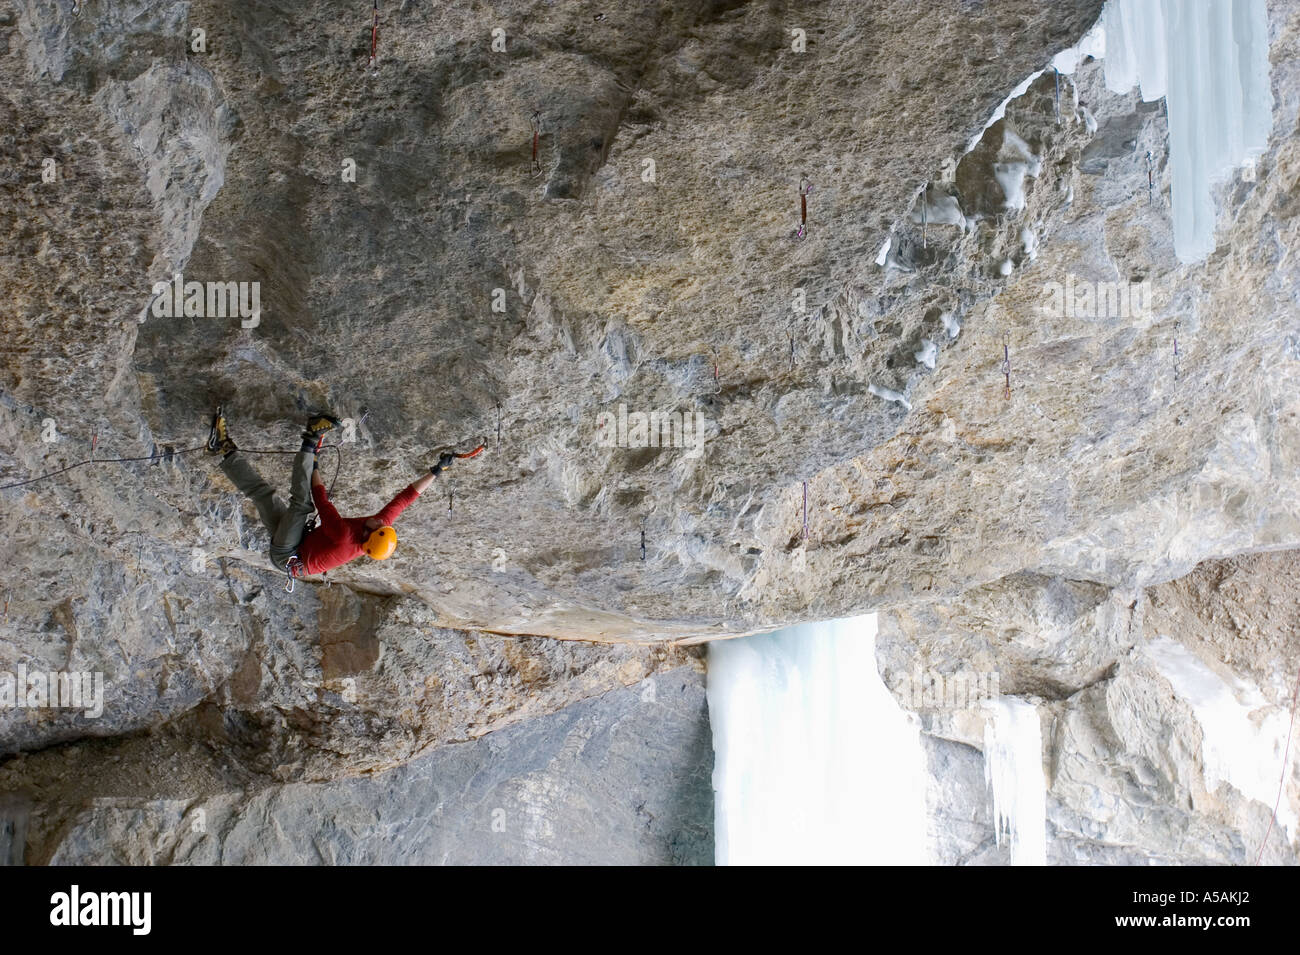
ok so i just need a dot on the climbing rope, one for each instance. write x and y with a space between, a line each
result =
1281 783
94 460
162 456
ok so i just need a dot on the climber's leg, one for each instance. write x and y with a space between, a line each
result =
270 508
286 537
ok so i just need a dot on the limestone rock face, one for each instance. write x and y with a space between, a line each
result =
847 440
672 142
1135 771
622 779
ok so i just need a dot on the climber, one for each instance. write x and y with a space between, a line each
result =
296 548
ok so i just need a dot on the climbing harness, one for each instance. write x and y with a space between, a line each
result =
805 190
374 36
1006 365
537 136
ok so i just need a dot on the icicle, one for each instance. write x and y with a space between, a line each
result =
1013 768
1209 59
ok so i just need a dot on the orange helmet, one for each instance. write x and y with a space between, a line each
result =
381 544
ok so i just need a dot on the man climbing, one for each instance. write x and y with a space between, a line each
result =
335 540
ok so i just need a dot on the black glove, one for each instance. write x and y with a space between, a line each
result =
444 461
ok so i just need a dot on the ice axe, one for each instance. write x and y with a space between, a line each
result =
448 458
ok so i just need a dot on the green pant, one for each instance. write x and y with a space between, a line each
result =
285 523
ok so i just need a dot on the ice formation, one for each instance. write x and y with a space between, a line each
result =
1013 767
1209 60
927 353
883 255
815 762
1029 242
950 324
1241 742
940 209
889 394
1016 160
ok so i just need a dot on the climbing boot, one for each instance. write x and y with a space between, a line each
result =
219 441
318 425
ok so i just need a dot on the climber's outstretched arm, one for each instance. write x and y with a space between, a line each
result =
422 484
445 461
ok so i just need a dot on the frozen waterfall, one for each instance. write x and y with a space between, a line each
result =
815 761
1209 59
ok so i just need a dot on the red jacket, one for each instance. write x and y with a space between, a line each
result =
336 540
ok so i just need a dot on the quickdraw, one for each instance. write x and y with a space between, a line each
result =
1151 183
643 541
537 137
1177 354
805 510
293 569
374 36
924 214
805 190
